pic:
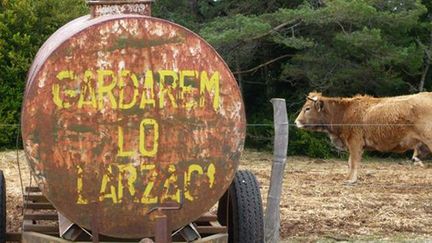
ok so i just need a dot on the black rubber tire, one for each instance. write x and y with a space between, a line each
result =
2 208
222 212
241 210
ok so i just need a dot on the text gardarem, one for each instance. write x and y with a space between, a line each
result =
103 89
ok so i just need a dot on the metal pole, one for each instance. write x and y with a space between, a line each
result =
272 215
162 235
94 223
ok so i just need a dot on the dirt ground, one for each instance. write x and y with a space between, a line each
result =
392 201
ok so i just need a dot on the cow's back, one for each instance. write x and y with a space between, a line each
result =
397 123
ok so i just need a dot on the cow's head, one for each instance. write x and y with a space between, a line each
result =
312 116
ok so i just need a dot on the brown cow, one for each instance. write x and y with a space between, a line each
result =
393 124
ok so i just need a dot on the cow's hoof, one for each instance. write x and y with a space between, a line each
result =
350 182
419 163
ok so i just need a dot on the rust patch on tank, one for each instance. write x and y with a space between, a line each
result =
129 114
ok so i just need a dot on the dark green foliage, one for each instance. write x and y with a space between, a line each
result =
24 27
260 133
276 48
315 145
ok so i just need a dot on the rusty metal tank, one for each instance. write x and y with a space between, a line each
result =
125 114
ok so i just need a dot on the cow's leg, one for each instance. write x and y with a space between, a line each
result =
415 159
420 152
417 162
354 163
425 148
416 156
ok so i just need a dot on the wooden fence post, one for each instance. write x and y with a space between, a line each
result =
272 212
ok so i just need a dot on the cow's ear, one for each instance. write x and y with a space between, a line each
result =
319 105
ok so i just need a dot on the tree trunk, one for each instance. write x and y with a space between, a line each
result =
193 4
428 59
239 75
424 75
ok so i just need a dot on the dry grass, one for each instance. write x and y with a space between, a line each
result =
392 200
14 202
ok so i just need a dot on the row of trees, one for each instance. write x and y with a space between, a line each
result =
24 27
276 48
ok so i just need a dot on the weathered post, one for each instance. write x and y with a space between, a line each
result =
272 215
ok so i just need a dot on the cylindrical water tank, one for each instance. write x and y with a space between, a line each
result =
124 114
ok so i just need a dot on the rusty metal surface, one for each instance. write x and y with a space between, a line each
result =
53 43
162 234
128 113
